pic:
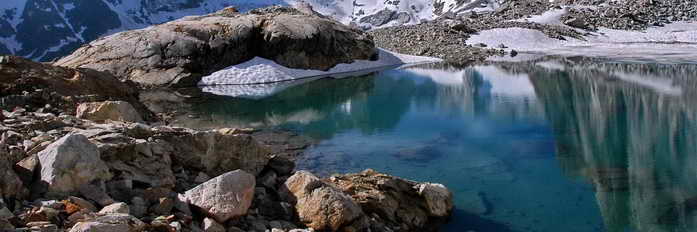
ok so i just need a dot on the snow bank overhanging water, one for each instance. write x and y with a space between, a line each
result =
264 71
259 77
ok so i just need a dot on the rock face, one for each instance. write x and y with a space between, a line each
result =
108 110
399 203
224 197
71 162
321 206
182 51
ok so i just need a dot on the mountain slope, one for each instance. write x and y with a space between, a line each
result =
47 29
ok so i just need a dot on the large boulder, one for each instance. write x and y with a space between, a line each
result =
182 51
70 163
321 206
227 196
399 203
108 110
218 151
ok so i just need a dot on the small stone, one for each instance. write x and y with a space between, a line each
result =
138 207
281 165
119 207
96 194
163 206
201 177
82 204
210 225
182 204
269 180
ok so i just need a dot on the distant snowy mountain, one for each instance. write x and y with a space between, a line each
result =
47 29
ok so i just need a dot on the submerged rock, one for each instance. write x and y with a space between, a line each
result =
182 51
419 154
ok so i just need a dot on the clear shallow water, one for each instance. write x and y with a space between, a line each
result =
553 145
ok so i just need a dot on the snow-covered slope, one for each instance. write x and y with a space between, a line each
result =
46 29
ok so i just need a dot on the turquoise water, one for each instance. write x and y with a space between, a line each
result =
553 145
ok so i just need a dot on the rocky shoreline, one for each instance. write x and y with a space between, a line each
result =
81 150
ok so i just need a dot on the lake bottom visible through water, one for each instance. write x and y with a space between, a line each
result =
548 145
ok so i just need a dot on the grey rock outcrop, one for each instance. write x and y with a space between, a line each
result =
70 163
182 51
227 196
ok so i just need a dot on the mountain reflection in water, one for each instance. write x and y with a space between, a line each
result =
549 145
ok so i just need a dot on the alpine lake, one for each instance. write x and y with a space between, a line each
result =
572 144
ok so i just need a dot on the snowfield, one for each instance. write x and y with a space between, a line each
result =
675 42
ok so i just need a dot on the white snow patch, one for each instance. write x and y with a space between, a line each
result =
16 6
551 17
260 70
676 42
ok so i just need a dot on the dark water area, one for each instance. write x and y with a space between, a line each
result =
551 145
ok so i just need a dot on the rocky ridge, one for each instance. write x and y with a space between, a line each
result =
180 52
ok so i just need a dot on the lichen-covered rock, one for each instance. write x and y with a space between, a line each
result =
321 206
224 197
182 51
108 110
70 163
399 203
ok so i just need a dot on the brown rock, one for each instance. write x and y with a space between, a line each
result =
404 204
321 206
